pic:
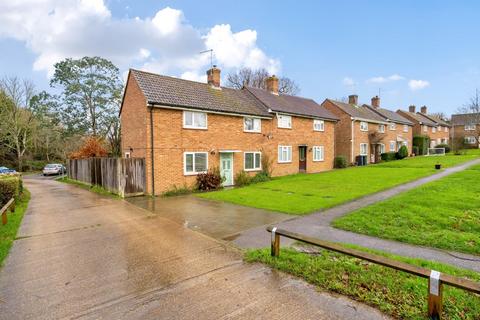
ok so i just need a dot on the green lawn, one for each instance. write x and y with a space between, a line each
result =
396 293
304 193
443 214
8 232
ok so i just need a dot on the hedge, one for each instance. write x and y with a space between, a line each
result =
11 186
340 162
422 144
388 156
443 145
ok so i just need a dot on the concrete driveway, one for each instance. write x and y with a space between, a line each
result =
80 255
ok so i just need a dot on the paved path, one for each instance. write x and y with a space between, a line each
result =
83 256
318 225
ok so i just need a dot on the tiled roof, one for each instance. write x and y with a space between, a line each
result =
169 91
467 118
358 111
390 115
439 121
420 118
291 104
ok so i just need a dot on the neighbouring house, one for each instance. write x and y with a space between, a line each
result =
183 128
367 131
466 129
438 130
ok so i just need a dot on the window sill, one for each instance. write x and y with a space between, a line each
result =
318 130
252 170
282 162
248 131
319 160
193 173
194 128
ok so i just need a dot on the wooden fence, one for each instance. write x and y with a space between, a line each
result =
125 177
10 205
436 280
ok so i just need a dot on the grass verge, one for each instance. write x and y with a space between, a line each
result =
8 232
443 214
97 189
396 293
304 193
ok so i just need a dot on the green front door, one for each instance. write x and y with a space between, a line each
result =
226 168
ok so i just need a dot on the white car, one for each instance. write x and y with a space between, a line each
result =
54 168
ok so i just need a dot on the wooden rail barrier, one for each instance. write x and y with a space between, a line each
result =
3 212
436 279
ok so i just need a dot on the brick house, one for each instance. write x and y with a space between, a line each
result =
438 130
195 126
367 130
466 129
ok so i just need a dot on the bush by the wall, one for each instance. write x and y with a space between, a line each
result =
402 152
388 156
262 176
210 180
443 145
242 179
422 143
11 186
340 162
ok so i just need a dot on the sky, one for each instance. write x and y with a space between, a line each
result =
408 52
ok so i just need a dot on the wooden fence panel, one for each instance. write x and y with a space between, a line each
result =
125 177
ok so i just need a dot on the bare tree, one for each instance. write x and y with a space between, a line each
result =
256 78
440 115
16 119
472 107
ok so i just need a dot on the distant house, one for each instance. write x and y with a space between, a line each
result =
466 128
183 128
438 130
368 130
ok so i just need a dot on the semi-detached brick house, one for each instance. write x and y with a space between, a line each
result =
466 129
367 130
425 124
195 126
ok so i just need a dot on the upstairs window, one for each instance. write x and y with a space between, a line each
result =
470 127
252 124
284 121
425 129
434 129
381 128
405 128
363 126
195 162
194 120
393 126
446 129
318 125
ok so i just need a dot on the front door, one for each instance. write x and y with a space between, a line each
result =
226 168
302 158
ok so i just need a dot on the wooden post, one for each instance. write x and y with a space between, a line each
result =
275 247
4 218
435 289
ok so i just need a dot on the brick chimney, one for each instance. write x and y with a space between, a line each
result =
376 102
272 84
213 77
412 108
353 99
423 109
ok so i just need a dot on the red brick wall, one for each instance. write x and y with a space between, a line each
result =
343 131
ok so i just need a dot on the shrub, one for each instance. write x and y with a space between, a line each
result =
91 147
11 186
210 180
340 162
422 143
260 177
242 179
178 191
443 145
267 165
388 156
415 150
402 152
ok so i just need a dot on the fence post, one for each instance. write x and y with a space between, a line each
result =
435 289
275 247
4 218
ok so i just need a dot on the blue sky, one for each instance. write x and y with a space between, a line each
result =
414 52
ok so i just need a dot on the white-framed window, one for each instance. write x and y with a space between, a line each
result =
127 155
318 125
284 121
318 153
405 128
284 154
381 128
194 120
425 128
470 127
252 124
434 129
252 161
440 128
393 126
195 162
446 129
382 148
393 145
363 126
470 140
363 149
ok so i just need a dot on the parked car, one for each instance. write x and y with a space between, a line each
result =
54 168
6 170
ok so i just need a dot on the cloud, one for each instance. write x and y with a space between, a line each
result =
165 43
393 77
418 84
347 81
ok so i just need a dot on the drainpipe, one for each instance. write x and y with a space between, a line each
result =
151 151
353 141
